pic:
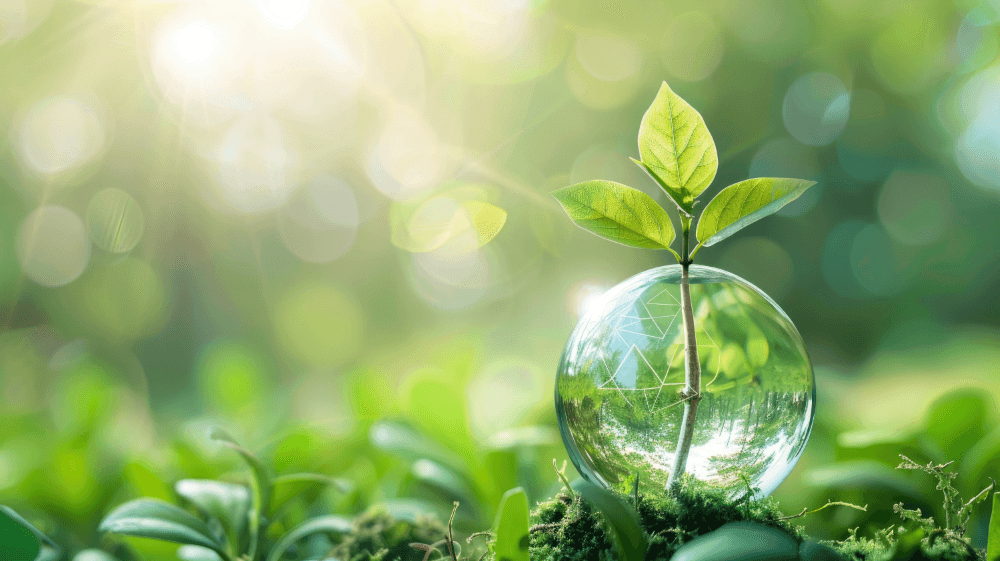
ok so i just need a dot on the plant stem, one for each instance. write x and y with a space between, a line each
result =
692 369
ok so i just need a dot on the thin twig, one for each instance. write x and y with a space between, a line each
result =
806 511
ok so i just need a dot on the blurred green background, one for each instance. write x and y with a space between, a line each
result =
254 214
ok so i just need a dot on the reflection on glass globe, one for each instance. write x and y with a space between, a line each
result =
618 390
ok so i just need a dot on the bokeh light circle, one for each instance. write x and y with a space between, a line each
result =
257 164
60 133
816 108
52 246
115 221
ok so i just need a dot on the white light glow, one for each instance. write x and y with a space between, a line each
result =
195 47
284 14
583 296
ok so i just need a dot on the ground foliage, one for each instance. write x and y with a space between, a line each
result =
567 528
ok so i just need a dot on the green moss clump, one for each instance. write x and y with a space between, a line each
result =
696 509
886 547
566 528
377 536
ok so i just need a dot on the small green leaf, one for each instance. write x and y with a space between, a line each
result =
677 148
993 543
260 485
226 502
17 542
511 526
622 520
744 203
330 524
287 487
618 213
487 219
740 541
443 220
152 518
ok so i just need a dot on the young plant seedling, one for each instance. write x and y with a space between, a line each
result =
677 151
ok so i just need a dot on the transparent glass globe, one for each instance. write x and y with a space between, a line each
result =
618 390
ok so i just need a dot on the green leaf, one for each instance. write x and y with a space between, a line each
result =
330 524
740 541
226 502
99 555
152 518
993 542
487 219
684 201
287 487
196 553
442 220
49 550
260 472
744 203
622 520
812 551
17 542
677 148
260 484
511 526
618 213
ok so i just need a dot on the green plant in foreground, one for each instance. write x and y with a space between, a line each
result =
677 151
234 518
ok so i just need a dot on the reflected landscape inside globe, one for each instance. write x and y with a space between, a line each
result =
618 390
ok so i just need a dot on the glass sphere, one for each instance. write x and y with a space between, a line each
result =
619 388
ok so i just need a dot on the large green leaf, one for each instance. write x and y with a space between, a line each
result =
740 541
228 503
993 543
152 518
622 520
677 148
330 524
17 542
49 550
812 551
511 526
618 213
744 203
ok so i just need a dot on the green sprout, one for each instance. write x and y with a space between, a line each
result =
677 151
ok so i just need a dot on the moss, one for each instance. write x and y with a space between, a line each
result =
377 536
884 548
566 528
